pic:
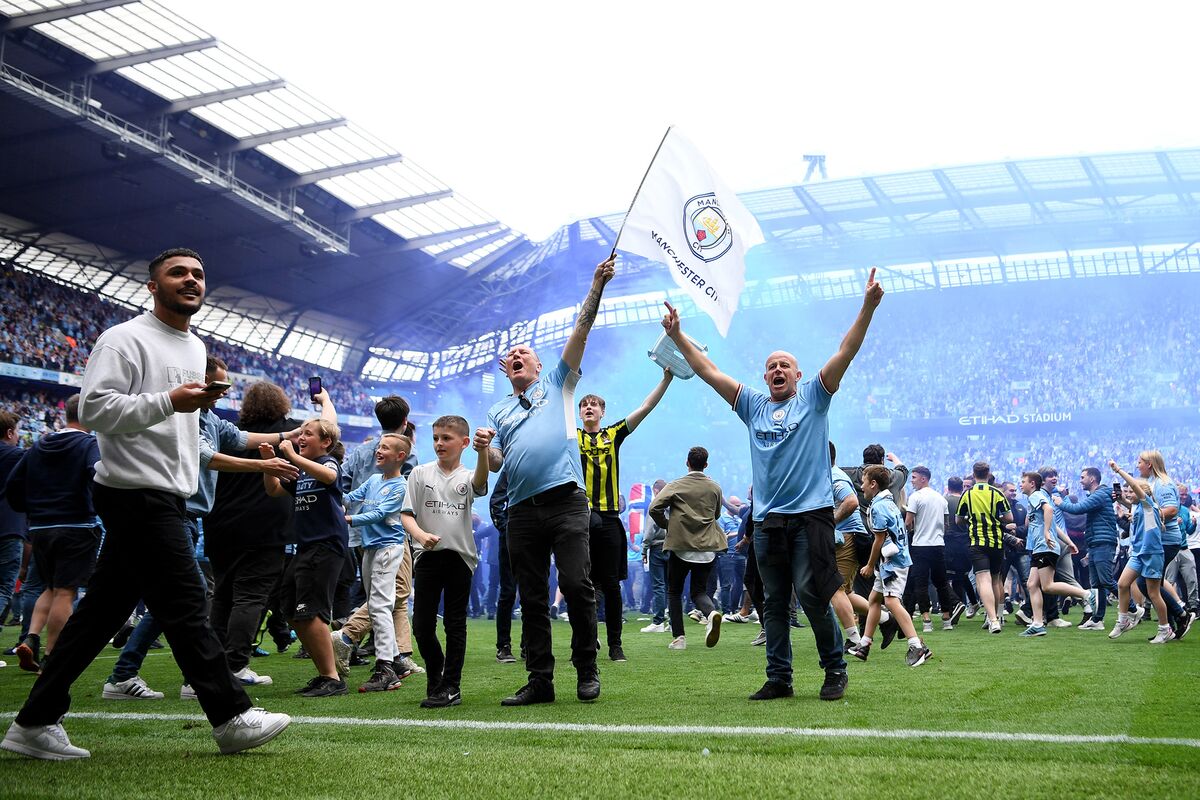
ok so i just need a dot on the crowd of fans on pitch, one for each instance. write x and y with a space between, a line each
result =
46 325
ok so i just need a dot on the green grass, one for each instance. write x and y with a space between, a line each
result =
1070 682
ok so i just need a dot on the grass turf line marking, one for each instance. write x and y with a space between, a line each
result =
688 730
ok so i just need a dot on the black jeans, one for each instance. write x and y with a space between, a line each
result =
534 533
244 579
753 581
147 554
277 624
929 562
507 597
677 572
606 541
441 575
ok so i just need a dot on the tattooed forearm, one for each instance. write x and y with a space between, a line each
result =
587 313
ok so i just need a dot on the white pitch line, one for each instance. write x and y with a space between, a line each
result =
686 730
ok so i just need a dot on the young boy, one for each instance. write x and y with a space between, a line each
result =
1046 543
382 497
887 525
311 577
437 515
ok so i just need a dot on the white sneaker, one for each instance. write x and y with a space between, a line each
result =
1121 626
761 639
1138 615
249 729
1089 604
48 742
1059 622
995 627
1163 636
186 692
696 615
1088 625
564 616
405 666
736 617
1023 617
655 627
947 625
678 643
133 689
249 677
712 629
341 653
972 610
753 615
927 627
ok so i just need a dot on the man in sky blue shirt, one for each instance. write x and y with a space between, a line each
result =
793 510
536 444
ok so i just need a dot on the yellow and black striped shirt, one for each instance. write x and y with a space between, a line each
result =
985 505
599 453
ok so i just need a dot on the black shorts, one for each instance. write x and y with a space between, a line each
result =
606 541
1044 559
987 559
65 557
310 581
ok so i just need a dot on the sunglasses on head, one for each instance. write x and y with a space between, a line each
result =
524 401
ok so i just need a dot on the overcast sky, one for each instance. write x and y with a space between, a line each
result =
545 112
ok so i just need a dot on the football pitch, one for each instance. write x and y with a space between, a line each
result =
1068 715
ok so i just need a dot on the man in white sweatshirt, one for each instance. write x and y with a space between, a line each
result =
141 391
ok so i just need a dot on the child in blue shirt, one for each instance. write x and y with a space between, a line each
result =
378 521
890 552
1045 541
1145 559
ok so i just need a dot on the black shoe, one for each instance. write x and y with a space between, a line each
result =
491 615
835 685
123 635
615 653
282 646
156 644
957 613
312 682
383 679
301 653
325 687
889 630
588 687
795 622
356 660
504 655
443 697
1180 628
531 694
27 653
772 690
861 651
522 652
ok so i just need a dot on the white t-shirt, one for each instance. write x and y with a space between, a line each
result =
929 526
441 504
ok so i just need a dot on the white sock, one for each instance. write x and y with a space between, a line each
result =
914 641
884 616
865 640
853 635
1164 627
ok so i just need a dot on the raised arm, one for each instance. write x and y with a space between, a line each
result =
482 444
324 474
271 484
835 368
635 417
269 466
724 385
573 351
328 412
1133 485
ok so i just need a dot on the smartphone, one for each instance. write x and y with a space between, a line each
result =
314 387
218 386
1116 490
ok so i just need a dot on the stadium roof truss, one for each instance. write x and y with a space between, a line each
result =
130 129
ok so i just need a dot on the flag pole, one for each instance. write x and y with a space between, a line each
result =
639 190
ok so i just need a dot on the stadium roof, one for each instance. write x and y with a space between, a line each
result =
127 129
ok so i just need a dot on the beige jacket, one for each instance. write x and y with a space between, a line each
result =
695 504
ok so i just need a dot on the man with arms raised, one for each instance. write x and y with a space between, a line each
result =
793 508
535 442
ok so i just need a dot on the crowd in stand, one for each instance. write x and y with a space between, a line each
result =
44 324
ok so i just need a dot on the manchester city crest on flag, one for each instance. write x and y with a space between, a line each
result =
708 233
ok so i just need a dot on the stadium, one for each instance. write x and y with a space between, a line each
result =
1038 312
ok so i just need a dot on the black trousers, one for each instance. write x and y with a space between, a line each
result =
534 533
244 580
929 563
753 581
606 541
147 554
507 597
441 576
277 624
677 572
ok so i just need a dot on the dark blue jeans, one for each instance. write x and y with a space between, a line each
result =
31 590
783 573
733 572
658 579
1101 558
12 548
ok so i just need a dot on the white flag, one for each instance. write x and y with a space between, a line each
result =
687 218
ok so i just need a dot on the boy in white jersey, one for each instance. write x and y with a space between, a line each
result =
382 497
437 515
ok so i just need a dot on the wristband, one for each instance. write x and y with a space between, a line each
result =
281 437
